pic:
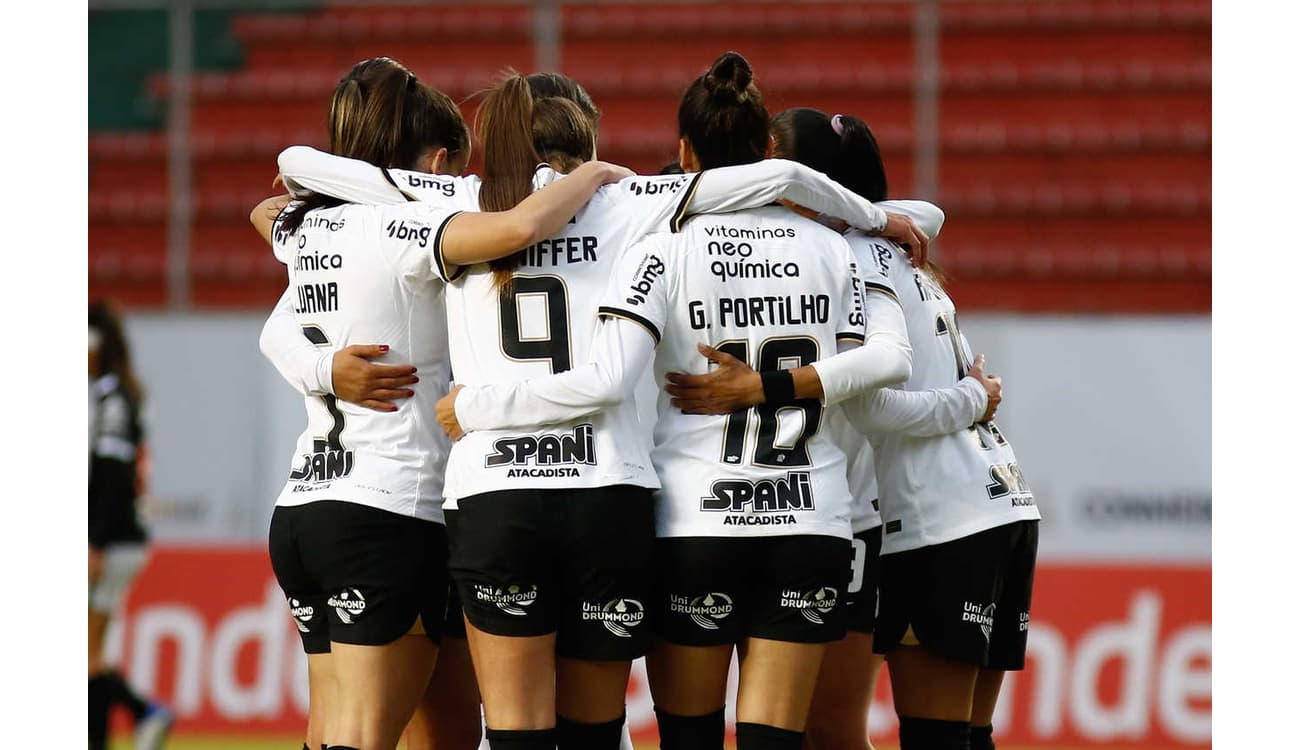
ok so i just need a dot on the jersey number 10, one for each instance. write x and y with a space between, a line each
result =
772 354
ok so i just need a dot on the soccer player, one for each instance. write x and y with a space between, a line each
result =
357 541
117 538
959 543
752 519
559 130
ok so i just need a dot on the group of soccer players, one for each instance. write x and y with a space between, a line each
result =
823 438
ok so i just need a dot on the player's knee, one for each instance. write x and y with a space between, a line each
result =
579 735
704 732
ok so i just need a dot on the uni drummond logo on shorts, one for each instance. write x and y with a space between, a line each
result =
982 616
348 605
617 615
302 614
705 610
513 599
811 604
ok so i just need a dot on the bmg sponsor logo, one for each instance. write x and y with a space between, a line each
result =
651 268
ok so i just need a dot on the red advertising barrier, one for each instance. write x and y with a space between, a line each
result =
1118 655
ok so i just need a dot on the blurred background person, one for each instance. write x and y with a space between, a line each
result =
117 537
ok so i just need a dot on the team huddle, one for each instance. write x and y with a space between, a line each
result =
476 516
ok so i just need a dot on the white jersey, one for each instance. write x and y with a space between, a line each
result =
544 324
773 289
547 322
359 274
865 511
940 488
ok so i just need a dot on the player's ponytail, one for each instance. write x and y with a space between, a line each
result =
381 113
546 118
722 116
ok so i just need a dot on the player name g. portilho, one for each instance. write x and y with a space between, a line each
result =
323 464
765 502
772 310
549 455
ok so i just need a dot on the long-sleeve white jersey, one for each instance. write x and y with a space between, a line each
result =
765 285
935 484
359 274
921 413
546 321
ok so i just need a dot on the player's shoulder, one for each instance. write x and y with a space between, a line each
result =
436 188
638 188
878 254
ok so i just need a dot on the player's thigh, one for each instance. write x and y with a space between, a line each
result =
688 680
122 564
605 574
837 717
777 679
448 716
927 685
516 678
378 689
591 691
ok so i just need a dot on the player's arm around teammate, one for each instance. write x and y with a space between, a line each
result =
779 621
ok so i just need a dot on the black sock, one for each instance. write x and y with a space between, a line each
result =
121 693
691 732
98 706
521 739
764 737
340 747
932 734
577 735
981 738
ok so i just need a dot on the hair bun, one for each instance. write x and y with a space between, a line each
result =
730 72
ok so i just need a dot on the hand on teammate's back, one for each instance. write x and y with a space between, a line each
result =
992 384
731 386
359 381
446 411
902 230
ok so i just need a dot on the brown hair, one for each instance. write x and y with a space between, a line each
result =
114 356
381 113
722 115
523 122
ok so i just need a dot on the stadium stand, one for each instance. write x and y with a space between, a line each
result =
1075 136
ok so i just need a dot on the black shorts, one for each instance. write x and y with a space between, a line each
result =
714 590
571 562
967 600
863 594
454 623
358 575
